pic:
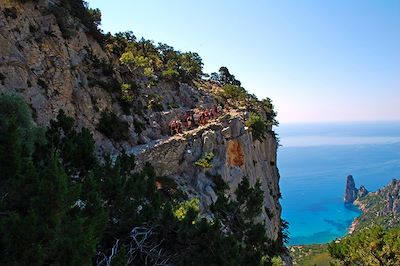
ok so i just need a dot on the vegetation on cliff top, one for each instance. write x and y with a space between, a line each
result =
140 59
60 204
380 208
369 246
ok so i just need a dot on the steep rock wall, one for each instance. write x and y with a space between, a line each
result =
235 155
53 73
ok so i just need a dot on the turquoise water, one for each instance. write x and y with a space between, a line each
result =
314 161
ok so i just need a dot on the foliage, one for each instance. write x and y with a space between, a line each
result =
257 125
60 205
139 126
192 65
370 246
40 204
238 219
315 254
268 108
224 77
377 210
182 209
67 12
112 127
170 74
126 93
155 103
277 261
205 162
233 92
154 60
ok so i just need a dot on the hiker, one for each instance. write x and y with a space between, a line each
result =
172 127
178 127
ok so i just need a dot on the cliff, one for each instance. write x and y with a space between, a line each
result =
87 79
236 154
381 207
350 193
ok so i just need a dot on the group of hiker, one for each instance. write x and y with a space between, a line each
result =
192 119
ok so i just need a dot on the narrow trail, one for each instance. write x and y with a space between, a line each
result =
137 150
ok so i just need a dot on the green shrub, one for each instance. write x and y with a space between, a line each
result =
220 183
110 86
190 205
370 246
139 126
170 74
126 93
80 210
258 126
112 127
69 13
233 92
205 162
154 102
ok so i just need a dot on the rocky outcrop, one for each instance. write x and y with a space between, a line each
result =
236 155
381 207
362 191
52 73
350 194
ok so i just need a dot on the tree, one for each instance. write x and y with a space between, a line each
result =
257 125
192 65
270 113
370 246
44 219
225 77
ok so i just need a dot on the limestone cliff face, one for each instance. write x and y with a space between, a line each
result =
76 75
236 155
52 73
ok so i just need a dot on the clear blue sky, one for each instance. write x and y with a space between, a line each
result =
319 60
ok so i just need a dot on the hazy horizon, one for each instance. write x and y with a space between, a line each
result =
319 61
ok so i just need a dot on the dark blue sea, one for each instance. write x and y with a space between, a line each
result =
314 161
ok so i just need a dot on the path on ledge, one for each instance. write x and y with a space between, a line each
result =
136 150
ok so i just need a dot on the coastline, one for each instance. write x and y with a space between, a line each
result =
356 222
353 226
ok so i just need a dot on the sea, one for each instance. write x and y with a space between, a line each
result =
314 161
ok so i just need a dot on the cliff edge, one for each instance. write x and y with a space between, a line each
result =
131 95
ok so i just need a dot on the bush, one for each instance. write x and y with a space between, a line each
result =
258 126
170 74
370 246
154 102
126 93
112 127
78 211
233 92
268 108
205 162
65 13
139 126
190 205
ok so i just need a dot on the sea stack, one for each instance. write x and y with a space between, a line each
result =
350 194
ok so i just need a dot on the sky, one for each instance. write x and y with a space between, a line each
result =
318 60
